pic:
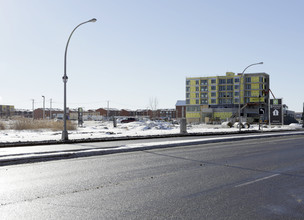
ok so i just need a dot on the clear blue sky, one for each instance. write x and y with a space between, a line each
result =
143 49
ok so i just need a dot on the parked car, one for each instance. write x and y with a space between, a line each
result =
128 120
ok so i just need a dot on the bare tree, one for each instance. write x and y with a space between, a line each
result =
153 105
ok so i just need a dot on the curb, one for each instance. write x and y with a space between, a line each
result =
71 154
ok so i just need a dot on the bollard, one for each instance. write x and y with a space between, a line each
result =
183 126
114 122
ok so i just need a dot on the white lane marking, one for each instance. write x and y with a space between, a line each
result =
257 180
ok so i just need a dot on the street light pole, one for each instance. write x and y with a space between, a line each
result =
65 79
242 74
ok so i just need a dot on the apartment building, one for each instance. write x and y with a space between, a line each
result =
217 98
6 111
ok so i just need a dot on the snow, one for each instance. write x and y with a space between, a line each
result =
99 129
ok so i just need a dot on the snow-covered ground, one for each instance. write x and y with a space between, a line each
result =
98 129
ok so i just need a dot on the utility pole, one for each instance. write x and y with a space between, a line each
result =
50 108
33 107
43 107
108 110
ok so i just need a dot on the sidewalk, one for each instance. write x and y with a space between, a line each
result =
38 153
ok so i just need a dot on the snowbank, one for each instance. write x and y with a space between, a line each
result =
99 129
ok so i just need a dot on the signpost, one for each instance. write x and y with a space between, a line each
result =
80 117
276 112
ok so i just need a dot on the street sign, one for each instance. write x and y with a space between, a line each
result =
276 112
261 111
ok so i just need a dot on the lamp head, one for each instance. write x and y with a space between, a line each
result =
93 20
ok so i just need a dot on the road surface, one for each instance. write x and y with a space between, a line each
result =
250 179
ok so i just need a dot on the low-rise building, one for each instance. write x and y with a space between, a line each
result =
180 108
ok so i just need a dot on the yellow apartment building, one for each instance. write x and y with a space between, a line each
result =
217 98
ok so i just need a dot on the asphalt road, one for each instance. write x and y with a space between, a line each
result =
253 179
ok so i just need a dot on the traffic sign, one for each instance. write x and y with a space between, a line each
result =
276 112
261 111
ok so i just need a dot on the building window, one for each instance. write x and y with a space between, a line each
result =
236 100
196 82
261 79
229 94
196 95
193 108
261 86
197 101
222 81
229 88
187 101
247 100
213 81
229 101
248 79
197 89
248 86
204 88
213 87
222 101
222 94
204 82
236 93
204 95
204 101
213 94
236 80
230 81
187 89
187 82
187 95
248 93
261 94
236 87
222 88
213 101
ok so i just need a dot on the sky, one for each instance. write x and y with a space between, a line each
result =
142 50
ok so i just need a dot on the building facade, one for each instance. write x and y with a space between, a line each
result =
180 108
6 111
217 98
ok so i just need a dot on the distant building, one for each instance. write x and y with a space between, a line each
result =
6 111
217 98
180 108
49 113
165 114
105 112
23 113
144 113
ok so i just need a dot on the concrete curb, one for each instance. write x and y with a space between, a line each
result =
77 153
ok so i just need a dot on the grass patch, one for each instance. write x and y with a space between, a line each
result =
29 124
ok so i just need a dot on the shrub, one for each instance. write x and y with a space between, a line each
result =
2 125
29 124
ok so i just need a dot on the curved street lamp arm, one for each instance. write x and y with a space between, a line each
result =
66 47
250 66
